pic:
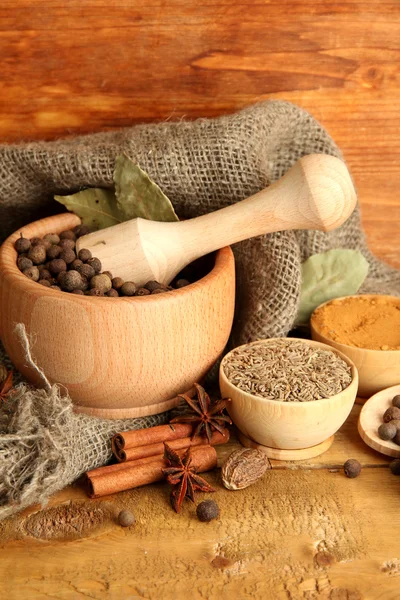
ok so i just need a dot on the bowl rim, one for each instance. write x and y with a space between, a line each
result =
8 266
348 346
353 384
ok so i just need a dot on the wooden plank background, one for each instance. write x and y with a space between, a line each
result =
88 65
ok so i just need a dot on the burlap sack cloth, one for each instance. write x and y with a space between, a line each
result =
202 166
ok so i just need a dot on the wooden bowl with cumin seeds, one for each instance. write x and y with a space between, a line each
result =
117 357
288 425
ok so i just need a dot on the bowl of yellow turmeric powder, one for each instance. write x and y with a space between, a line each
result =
366 328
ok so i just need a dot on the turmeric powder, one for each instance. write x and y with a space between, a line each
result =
371 322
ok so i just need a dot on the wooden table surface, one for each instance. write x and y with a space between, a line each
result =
304 531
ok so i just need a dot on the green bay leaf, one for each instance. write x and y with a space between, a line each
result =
137 195
97 207
328 275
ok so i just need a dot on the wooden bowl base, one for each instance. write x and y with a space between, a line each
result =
280 454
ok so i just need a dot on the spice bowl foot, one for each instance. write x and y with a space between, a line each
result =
279 454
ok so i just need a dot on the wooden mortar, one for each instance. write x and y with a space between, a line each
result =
117 357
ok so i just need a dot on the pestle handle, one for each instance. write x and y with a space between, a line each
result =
316 193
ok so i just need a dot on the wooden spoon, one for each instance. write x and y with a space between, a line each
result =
316 193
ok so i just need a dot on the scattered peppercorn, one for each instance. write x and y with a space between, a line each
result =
84 255
395 466
207 510
352 468
128 289
387 431
391 413
22 244
396 401
126 518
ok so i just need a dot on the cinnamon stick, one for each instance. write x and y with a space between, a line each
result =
143 437
138 452
217 438
204 458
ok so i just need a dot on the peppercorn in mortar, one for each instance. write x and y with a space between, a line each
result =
52 261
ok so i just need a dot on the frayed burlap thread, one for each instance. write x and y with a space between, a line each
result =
45 446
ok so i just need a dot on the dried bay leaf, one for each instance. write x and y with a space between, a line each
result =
328 275
97 207
137 195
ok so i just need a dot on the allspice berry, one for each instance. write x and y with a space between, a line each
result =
37 254
35 241
78 292
67 235
86 271
101 282
67 244
55 287
207 510
53 252
182 283
112 293
68 255
22 244
53 238
126 518
117 283
128 289
84 255
396 401
395 466
94 292
44 282
158 291
396 438
95 263
109 274
153 285
44 273
387 431
72 281
24 262
352 468
391 413
81 230
75 264
142 292
57 265
32 273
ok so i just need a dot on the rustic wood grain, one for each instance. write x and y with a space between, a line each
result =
89 65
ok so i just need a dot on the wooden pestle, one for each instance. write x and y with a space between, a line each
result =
316 193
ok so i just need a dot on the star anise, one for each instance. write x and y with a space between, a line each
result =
207 415
182 474
6 385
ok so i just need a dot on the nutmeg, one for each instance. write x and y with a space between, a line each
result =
243 467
